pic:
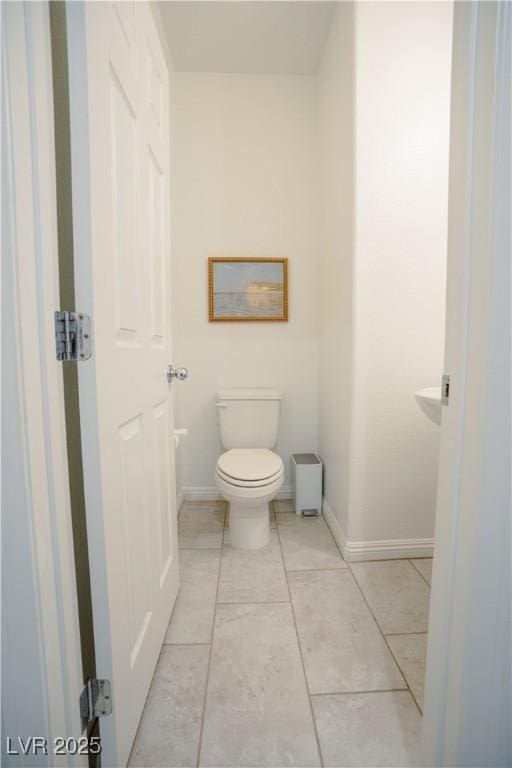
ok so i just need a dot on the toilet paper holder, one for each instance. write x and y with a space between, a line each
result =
178 434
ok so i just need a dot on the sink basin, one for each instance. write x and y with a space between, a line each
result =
429 400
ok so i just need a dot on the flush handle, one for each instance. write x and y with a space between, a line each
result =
176 373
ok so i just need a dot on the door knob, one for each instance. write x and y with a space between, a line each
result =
176 373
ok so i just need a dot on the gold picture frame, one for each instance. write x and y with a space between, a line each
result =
247 289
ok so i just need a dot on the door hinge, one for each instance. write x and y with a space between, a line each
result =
73 338
95 699
445 389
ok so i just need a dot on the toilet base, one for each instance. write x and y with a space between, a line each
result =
249 527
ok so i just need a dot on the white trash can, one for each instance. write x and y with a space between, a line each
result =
307 484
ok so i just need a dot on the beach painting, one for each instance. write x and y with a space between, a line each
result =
248 289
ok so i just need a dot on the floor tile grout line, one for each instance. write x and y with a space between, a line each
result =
406 680
403 673
405 689
255 600
322 762
251 602
385 640
188 549
201 729
404 634
315 570
419 572
199 549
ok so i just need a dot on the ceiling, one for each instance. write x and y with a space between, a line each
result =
255 37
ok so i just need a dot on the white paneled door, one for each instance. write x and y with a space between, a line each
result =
119 92
40 648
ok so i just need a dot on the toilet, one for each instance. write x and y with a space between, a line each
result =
249 474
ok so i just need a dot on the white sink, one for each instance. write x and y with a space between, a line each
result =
429 400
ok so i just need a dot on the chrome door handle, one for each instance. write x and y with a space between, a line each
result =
176 373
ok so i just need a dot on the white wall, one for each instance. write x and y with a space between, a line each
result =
244 184
336 153
384 123
403 57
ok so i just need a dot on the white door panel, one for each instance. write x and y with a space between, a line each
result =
41 654
120 149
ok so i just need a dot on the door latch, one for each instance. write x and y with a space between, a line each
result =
445 389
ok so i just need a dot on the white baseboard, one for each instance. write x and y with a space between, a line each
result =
210 493
335 528
385 549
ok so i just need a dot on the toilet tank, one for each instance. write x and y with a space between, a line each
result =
248 418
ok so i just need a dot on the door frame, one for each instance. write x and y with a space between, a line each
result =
468 683
41 654
41 640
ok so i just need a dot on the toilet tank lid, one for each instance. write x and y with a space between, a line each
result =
253 393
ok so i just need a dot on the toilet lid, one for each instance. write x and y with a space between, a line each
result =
250 463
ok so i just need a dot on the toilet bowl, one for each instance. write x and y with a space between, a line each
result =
249 474
249 478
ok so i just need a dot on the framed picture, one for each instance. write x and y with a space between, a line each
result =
248 289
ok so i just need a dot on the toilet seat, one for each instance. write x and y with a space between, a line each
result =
248 494
251 467
249 483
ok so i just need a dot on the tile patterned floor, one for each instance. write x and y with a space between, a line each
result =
286 656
